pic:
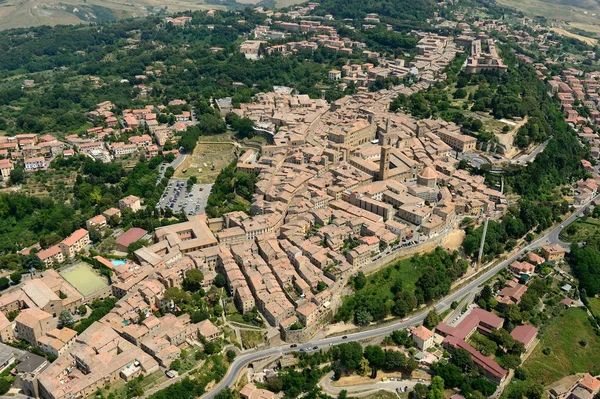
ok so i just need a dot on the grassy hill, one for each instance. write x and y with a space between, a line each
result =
27 13
580 14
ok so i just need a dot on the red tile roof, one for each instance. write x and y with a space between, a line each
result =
73 238
131 236
478 318
485 362
590 383
524 334
46 253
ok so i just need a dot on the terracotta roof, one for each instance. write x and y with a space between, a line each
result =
428 173
590 383
130 236
524 333
422 332
73 238
47 253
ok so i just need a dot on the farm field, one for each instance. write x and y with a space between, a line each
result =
588 40
580 11
26 13
574 348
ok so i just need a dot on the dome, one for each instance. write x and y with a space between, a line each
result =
428 173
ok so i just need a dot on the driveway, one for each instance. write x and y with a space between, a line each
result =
365 389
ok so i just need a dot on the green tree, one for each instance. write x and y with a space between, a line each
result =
432 319
226 393
15 277
193 280
230 355
32 261
349 355
65 319
360 280
17 176
462 359
220 280
376 357
436 390
4 283
419 391
394 360
211 348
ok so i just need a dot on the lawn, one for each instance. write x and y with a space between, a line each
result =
594 306
582 229
383 280
564 337
251 338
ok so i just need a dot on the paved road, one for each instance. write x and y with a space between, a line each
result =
386 329
523 160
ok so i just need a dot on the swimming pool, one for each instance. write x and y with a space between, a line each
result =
117 262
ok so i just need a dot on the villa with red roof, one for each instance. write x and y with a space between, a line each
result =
6 167
553 252
74 243
422 337
535 258
525 334
99 221
478 320
522 268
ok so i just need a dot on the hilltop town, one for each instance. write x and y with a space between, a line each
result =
400 208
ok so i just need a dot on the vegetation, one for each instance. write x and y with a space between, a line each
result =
400 288
98 186
231 191
565 355
391 10
581 230
214 369
99 310
584 264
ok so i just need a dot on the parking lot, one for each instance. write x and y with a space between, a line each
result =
178 199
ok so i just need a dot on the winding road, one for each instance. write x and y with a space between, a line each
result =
550 237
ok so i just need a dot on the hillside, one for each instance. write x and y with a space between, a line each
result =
579 14
28 13
416 10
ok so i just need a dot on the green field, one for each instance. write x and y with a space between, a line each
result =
564 337
566 10
83 277
382 281
594 306
581 230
